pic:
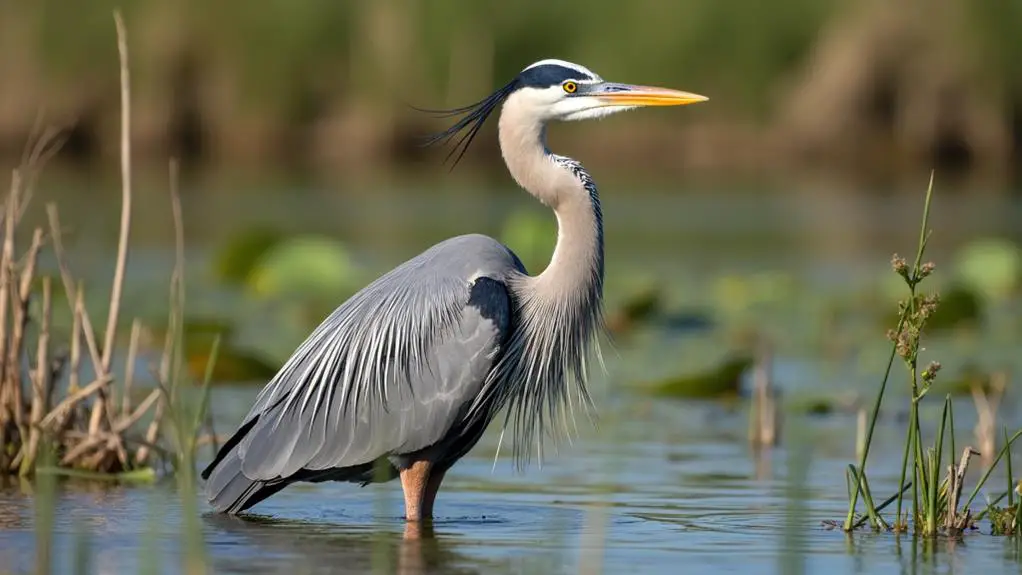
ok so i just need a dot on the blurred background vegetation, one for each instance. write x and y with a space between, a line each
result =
773 208
867 87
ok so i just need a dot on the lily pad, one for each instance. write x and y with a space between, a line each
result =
237 258
720 382
959 307
637 308
304 265
991 267
232 365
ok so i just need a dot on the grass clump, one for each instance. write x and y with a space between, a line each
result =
935 505
62 409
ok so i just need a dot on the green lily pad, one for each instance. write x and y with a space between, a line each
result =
959 307
237 258
720 382
639 307
232 365
305 266
991 267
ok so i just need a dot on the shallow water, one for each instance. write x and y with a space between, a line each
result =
660 487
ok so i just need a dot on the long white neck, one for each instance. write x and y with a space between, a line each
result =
559 311
562 185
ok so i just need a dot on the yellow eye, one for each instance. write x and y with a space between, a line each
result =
570 87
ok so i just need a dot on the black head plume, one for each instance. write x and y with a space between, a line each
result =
472 120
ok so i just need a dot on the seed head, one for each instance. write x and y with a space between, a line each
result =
899 265
928 305
926 269
905 345
930 372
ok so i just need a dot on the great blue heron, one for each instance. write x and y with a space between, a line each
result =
403 378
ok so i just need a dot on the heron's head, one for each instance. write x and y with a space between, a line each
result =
558 90
551 90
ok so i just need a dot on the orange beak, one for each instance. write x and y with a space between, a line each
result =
629 95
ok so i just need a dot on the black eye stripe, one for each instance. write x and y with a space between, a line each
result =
549 75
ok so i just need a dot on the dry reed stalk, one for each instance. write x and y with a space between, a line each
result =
44 143
21 297
954 521
122 243
860 432
60 412
98 411
163 378
28 273
986 410
9 409
763 429
76 345
129 367
132 418
142 453
98 441
41 379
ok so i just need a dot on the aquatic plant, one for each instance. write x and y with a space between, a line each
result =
935 502
722 381
83 429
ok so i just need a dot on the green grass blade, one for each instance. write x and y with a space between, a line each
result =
900 495
990 506
951 424
200 415
924 234
986 475
887 502
867 499
935 461
850 518
1007 464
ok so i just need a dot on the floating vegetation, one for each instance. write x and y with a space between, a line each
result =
304 266
960 307
638 308
723 381
935 504
991 267
59 399
233 364
235 261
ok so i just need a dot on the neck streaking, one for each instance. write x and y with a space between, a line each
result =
543 371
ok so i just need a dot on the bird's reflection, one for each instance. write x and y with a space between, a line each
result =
317 547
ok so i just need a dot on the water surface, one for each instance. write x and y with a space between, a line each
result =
660 487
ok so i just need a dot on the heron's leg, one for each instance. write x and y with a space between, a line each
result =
436 477
414 483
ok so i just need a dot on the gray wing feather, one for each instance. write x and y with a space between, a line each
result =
391 369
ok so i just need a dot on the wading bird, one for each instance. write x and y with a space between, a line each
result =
402 379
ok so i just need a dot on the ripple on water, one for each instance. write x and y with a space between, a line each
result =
672 492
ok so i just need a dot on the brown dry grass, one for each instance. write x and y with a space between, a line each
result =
44 408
